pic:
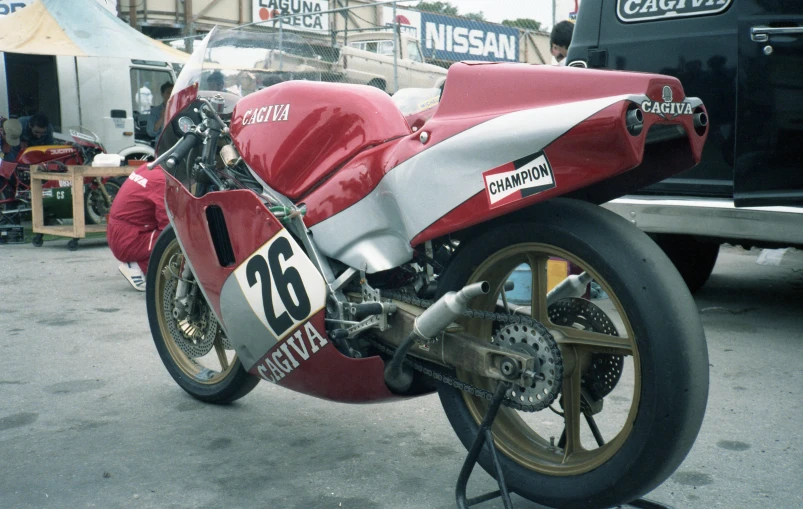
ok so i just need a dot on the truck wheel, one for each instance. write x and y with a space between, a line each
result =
380 84
694 258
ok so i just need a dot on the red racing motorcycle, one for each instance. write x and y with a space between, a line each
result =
319 243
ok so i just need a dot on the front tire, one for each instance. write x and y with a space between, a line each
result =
656 395
194 349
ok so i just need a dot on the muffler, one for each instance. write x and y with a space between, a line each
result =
434 320
634 120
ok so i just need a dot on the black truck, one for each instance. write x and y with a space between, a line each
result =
744 59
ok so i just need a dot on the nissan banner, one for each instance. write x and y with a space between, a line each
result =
455 39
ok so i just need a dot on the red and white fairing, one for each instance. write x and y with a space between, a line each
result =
504 137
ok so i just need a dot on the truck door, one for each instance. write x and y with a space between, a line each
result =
103 87
769 135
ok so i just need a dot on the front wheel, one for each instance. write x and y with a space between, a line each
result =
635 379
193 346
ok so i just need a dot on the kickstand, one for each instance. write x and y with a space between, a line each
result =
484 436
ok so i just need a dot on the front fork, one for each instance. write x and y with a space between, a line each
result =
186 292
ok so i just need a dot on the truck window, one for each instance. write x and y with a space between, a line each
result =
33 87
357 45
413 52
385 48
145 86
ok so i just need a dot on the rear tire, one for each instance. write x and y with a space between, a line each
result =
694 258
205 376
667 352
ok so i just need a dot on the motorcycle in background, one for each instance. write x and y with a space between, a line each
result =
319 242
15 194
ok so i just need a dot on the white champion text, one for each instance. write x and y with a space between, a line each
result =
534 177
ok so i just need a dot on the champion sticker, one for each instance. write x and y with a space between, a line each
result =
519 179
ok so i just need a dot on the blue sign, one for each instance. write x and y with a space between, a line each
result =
447 38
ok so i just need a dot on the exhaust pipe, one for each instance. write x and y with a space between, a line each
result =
429 324
700 119
634 120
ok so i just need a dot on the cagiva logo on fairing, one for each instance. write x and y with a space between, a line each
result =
272 113
519 179
284 359
666 109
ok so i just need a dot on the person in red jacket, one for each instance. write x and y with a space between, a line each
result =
136 219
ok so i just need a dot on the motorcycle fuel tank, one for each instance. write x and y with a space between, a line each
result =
42 153
296 133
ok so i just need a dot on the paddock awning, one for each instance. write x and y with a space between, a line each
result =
81 28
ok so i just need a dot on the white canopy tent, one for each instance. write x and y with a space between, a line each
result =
81 28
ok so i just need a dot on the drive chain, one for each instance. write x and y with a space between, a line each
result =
503 318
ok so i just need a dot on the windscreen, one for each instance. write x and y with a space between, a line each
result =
234 63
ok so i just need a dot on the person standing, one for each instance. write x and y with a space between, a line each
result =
144 99
136 219
156 117
560 39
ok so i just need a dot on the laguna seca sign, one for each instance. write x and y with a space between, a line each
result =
631 11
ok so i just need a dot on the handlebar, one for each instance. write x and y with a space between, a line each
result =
182 146
187 143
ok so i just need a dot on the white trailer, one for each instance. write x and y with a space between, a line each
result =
98 93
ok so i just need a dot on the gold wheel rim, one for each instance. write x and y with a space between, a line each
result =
189 366
513 435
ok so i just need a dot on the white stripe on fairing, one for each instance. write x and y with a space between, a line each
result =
429 185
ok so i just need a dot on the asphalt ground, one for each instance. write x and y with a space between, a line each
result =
89 417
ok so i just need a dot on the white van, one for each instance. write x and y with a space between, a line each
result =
100 94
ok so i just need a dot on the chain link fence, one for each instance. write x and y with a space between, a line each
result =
393 45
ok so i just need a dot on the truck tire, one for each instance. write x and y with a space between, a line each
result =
694 258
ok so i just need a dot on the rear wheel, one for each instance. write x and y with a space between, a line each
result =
635 380
193 348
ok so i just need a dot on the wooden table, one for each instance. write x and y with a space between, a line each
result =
76 175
